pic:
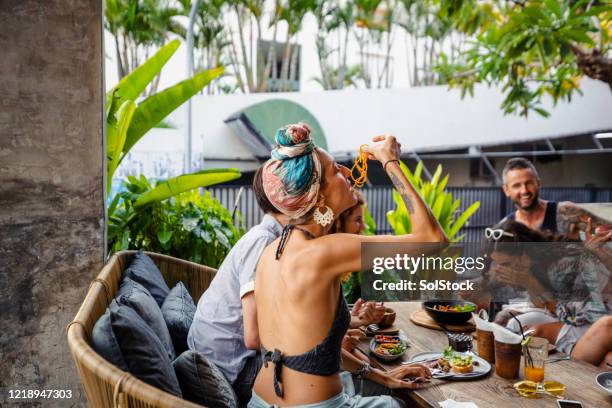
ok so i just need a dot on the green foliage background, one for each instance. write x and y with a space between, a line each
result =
192 225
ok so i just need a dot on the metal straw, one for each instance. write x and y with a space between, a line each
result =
529 359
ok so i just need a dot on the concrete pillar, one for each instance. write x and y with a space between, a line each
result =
51 186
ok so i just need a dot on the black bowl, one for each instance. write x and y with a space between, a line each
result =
448 317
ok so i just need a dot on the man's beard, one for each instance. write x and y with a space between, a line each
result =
532 205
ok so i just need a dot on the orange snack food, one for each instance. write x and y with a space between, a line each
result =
361 165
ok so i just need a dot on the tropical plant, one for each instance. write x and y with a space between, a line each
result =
442 203
531 48
190 225
128 121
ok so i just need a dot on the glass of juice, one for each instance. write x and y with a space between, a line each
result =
535 353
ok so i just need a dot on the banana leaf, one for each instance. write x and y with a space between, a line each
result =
115 137
186 182
132 85
156 107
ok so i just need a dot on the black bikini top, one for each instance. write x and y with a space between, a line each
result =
324 358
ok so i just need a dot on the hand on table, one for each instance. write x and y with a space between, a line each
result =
395 377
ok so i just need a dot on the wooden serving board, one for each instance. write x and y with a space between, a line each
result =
421 318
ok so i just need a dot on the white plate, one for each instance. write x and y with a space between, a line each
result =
481 370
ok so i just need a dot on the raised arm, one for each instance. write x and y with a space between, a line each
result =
425 227
339 253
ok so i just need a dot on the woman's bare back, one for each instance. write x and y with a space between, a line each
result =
296 307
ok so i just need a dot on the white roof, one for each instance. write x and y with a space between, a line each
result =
423 119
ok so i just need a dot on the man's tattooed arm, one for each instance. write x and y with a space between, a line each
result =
569 213
401 189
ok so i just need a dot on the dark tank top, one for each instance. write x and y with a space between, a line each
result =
324 358
550 217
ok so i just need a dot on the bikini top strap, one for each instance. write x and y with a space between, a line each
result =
275 357
283 239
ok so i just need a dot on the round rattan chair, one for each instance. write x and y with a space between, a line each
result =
105 384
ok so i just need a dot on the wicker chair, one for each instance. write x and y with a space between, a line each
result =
105 384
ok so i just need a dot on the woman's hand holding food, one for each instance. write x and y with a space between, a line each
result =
385 148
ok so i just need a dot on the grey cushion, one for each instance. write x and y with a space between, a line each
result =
178 311
135 295
202 382
144 271
104 342
142 350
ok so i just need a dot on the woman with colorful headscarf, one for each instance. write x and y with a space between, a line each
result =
302 315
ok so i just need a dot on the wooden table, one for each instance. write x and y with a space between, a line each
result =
492 391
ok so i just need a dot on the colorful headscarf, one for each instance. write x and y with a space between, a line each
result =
292 176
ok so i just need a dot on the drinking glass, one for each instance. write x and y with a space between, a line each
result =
535 353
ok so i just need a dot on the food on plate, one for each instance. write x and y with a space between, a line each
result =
443 365
390 349
389 345
454 309
460 364
387 339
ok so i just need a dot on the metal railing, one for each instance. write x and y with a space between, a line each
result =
493 204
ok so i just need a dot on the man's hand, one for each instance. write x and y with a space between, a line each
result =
595 240
368 312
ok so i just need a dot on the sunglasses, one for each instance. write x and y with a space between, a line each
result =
497 233
531 389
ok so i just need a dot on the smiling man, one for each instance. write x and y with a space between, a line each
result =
522 185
